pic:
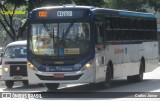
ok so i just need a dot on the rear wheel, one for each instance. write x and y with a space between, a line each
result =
25 83
9 84
52 86
139 77
107 82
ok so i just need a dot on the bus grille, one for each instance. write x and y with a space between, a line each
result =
76 77
18 70
15 62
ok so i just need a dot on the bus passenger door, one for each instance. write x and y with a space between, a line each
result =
100 52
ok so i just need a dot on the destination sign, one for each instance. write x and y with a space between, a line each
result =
64 13
59 14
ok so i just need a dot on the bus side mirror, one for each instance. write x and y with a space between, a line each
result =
99 47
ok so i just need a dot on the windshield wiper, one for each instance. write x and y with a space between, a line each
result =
68 28
65 32
48 31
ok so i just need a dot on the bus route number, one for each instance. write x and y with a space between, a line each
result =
42 14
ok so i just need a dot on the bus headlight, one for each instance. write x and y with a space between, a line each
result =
31 66
6 69
87 66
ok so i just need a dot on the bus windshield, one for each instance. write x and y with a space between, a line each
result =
60 39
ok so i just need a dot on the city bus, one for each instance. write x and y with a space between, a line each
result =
84 44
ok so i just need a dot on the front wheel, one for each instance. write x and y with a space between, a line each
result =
25 83
107 82
41 85
52 86
9 84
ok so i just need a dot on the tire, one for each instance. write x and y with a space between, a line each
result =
25 83
52 86
41 85
139 77
9 84
107 82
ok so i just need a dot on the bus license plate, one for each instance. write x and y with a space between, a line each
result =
17 77
58 75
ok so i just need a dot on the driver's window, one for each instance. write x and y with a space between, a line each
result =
99 35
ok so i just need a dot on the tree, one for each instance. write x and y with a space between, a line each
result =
39 3
12 5
8 14
133 5
154 4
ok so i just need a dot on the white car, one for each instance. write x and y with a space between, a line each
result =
14 63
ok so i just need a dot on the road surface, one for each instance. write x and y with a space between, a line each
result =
120 88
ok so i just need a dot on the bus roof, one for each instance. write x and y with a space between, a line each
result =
16 43
124 12
102 10
58 7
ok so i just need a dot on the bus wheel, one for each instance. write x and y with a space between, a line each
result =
107 82
9 84
139 77
25 83
52 86
41 85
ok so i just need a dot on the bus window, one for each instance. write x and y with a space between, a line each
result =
115 22
108 22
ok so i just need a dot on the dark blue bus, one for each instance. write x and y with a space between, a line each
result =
83 44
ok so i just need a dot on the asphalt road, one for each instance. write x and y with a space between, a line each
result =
120 89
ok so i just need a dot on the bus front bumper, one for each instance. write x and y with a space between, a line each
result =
86 76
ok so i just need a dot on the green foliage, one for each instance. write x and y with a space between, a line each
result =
8 15
17 2
28 5
39 3
154 4
132 5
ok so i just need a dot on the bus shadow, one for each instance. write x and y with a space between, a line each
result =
119 89
28 88
117 86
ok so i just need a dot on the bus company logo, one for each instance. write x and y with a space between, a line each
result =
47 69
120 51
64 13
42 14
58 68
